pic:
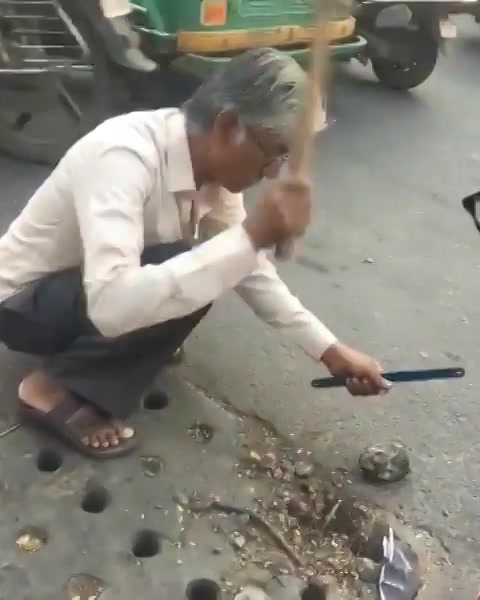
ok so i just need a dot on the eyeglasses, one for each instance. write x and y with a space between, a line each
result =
281 156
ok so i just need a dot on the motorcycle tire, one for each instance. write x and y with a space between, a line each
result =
401 78
104 87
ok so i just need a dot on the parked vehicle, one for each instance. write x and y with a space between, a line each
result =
55 53
404 38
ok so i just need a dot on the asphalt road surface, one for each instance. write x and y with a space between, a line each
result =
392 264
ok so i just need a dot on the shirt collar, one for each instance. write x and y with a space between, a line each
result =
179 162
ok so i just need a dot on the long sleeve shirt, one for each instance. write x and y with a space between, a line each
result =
127 185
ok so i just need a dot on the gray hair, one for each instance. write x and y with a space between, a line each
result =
263 87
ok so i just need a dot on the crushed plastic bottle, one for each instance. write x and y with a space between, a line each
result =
399 576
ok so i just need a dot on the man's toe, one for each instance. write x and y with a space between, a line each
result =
114 441
127 433
110 439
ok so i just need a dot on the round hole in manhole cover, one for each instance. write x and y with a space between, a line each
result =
314 592
146 543
203 589
155 400
96 499
48 460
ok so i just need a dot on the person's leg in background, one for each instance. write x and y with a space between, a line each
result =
90 383
118 14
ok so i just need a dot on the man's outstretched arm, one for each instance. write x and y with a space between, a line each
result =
273 302
264 291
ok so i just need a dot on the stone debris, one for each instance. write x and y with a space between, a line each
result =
201 432
32 539
329 585
248 573
368 592
303 469
151 465
285 587
237 540
252 593
367 569
285 518
9 429
384 463
253 575
181 499
312 526
84 587
309 530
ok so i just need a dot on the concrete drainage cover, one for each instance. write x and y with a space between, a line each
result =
214 501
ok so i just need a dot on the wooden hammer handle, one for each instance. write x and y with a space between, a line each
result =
301 152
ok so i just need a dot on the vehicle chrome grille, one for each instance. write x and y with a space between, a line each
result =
38 35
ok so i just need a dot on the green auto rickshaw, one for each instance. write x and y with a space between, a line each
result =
58 77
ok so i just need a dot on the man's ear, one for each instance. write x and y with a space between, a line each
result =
226 127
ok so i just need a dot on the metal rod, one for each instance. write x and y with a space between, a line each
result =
39 46
44 70
20 31
139 8
68 101
39 17
24 2
72 28
57 63
399 377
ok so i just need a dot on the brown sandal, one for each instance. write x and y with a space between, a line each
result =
56 422
177 357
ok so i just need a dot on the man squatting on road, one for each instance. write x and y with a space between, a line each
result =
100 273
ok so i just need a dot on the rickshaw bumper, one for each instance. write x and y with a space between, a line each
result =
202 64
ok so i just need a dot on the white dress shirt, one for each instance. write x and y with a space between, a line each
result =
127 185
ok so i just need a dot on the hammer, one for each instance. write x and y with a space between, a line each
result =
305 127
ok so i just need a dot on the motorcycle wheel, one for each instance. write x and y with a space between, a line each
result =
406 77
42 115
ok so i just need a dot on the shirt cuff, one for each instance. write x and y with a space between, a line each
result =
316 339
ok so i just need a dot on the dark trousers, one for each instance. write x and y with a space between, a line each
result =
48 318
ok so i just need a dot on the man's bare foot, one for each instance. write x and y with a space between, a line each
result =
43 394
